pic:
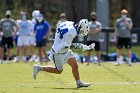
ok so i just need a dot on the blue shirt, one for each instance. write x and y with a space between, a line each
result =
41 29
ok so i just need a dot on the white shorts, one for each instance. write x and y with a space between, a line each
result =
60 59
32 40
23 41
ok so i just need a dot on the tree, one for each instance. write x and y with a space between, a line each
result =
83 8
135 14
69 9
77 9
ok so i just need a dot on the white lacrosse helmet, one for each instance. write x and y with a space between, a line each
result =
35 13
83 27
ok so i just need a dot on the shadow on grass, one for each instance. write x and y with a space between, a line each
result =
72 88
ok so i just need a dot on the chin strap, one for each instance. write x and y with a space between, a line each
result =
83 47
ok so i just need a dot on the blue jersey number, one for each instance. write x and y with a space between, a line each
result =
62 32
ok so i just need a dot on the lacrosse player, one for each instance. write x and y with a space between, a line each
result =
61 52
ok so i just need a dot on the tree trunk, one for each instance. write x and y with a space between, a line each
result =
10 4
69 9
82 9
135 14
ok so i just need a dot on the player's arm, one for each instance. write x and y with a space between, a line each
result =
83 46
0 29
128 24
115 35
48 33
49 30
96 30
116 31
16 28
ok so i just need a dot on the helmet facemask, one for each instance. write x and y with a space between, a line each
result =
83 27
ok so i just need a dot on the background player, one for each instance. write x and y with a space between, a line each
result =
42 30
123 36
32 38
7 28
93 37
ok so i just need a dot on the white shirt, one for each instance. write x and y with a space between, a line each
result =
64 37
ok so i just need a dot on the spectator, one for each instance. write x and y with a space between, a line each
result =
123 36
32 39
7 28
24 33
93 37
62 18
16 59
42 29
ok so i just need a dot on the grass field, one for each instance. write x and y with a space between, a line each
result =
17 78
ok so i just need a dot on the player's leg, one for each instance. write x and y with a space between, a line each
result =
31 47
16 58
128 50
24 49
39 47
44 42
9 46
88 52
1 54
118 56
57 69
49 69
128 53
88 56
32 53
98 52
72 62
40 54
17 49
45 54
1 51
119 50
8 56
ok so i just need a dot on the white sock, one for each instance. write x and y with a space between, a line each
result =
78 81
129 60
40 68
118 60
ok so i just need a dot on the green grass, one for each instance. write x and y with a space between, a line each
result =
17 78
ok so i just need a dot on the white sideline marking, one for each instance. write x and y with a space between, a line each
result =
72 83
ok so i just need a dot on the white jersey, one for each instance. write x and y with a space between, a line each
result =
64 37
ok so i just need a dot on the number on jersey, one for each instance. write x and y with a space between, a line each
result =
62 31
